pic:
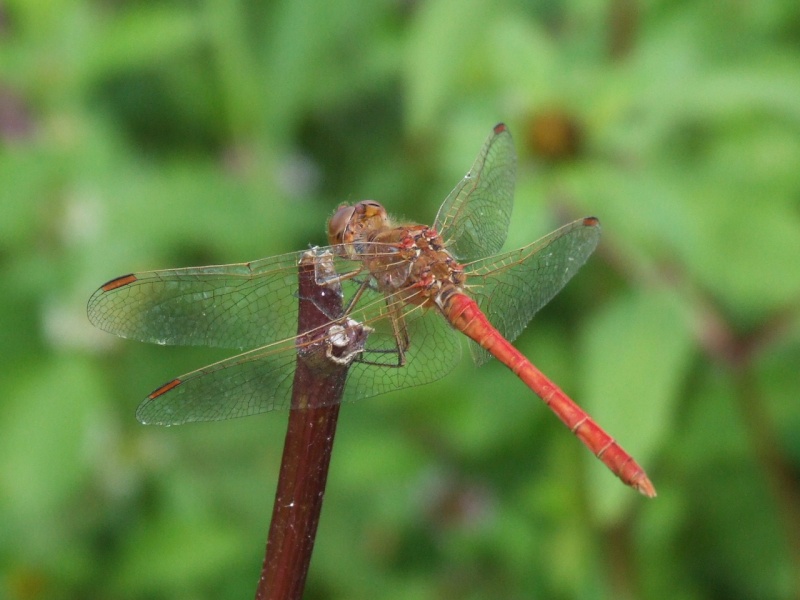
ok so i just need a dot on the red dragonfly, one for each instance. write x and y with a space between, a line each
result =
414 286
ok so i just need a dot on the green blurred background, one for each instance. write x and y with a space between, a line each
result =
142 134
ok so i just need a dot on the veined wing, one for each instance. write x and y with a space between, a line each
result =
511 287
240 306
434 350
473 220
261 380
250 383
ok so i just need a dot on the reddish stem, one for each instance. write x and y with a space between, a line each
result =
318 386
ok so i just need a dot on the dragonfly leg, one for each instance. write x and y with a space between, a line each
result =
327 277
400 333
351 304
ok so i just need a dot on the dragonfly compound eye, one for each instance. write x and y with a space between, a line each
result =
369 215
339 223
370 208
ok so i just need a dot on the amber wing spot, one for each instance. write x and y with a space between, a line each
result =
119 282
500 128
591 222
164 389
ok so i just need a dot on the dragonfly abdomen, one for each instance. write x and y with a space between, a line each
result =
465 315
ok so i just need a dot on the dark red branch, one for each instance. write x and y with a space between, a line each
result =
318 386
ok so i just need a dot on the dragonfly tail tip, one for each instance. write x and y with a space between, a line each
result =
645 487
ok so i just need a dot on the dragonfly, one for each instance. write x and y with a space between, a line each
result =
418 289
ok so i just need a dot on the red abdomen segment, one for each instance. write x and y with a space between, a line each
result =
464 314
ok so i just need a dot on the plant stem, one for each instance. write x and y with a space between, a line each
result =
319 380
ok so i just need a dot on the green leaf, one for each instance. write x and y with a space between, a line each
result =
49 417
439 59
141 37
174 554
636 352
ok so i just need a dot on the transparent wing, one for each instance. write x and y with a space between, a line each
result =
248 384
434 351
511 287
245 305
261 380
473 220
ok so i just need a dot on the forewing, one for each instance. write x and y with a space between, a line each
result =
511 287
473 220
245 305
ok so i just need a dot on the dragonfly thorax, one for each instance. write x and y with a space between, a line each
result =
409 262
421 270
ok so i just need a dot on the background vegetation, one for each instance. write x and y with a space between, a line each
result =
139 134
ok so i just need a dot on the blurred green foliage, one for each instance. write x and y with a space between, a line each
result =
138 135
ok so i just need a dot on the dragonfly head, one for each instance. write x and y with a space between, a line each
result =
352 223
